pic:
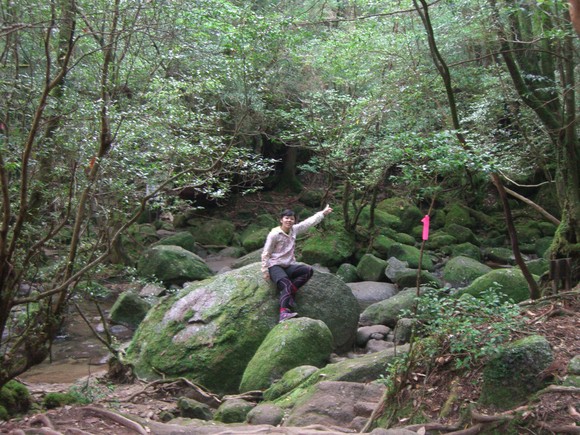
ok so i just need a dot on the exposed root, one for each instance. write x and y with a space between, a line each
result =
572 429
117 418
42 420
200 394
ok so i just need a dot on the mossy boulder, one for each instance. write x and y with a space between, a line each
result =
542 246
328 248
290 380
411 256
190 408
209 331
212 232
408 213
440 241
466 249
14 398
538 266
499 255
249 258
254 237
172 265
382 244
364 369
461 233
462 271
129 309
371 268
510 284
456 214
233 411
404 238
182 238
293 343
388 312
382 219
347 272
409 279
510 378
528 232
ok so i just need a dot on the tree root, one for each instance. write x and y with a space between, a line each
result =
117 418
573 429
201 395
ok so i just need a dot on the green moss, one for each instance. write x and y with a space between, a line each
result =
4 413
56 400
15 398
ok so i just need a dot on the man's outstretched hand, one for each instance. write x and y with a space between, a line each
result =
327 210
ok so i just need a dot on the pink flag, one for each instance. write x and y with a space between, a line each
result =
425 221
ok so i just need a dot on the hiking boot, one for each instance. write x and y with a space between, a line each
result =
285 315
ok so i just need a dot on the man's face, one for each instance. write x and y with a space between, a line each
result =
286 223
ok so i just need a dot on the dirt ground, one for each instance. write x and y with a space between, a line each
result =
556 410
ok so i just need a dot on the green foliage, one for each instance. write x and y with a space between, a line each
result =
56 400
466 329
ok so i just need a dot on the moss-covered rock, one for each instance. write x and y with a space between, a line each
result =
172 265
216 232
389 311
538 266
461 271
293 343
382 244
466 250
408 279
328 248
233 411
542 246
404 238
129 309
440 241
411 256
371 268
254 237
15 398
510 284
382 219
528 232
499 255
364 369
190 408
456 214
290 380
347 272
511 377
182 238
461 233
250 258
407 212
209 331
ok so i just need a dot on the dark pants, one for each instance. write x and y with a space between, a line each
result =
288 280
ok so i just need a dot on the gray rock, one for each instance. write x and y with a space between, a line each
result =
387 312
234 411
404 330
370 292
365 333
371 268
461 271
337 404
129 310
265 413
290 380
396 267
190 408
574 366
374 345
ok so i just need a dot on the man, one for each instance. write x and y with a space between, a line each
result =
278 260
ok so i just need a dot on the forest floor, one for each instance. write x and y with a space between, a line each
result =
555 410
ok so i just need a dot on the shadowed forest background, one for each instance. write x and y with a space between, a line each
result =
113 110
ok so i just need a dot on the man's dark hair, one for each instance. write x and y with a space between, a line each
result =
287 212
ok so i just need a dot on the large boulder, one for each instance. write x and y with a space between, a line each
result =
328 248
212 231
209 331
510 284
352 405
388 312
371 268
129 310
294 343
172 265
182 238
407 212
370 292
516 373
461 271
411 256
327 297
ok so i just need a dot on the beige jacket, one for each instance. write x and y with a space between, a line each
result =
279 247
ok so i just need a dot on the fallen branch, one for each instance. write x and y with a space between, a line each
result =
559 389
573 429
117 418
